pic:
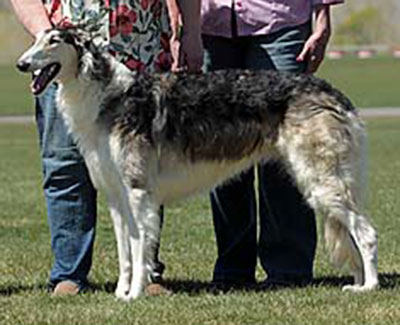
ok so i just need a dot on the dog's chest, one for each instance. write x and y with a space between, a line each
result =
179 179
97 152
92 138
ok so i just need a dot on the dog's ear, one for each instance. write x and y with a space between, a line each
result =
81 40
159 123
74 38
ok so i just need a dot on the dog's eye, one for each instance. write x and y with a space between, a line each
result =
54 40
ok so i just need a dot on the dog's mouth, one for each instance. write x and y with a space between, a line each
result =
43 77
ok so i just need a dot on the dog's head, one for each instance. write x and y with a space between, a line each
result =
54 55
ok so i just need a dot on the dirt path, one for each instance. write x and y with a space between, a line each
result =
365 112
380 112
17 119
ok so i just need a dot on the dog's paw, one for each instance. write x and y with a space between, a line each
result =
357 288
126 298
122 291
130 296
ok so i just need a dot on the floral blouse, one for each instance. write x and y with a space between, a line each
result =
137 30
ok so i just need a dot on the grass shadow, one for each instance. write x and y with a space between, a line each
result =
387 281
16 289
108 287
191 287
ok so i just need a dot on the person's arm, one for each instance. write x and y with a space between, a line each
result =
175 43
32 14
313 51
187 49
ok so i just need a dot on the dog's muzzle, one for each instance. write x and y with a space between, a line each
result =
23 66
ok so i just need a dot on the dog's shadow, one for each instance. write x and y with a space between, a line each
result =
386 280
191 287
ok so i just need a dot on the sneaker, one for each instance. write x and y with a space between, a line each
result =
65 288
157 289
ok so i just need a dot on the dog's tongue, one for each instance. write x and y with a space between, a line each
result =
45 76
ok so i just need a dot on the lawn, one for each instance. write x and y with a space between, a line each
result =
189 251
369 83
15 98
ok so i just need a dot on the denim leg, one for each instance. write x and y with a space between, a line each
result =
287 240
233 204
234 214
288 232
278 50
69 194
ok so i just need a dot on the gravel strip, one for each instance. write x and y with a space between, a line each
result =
365 112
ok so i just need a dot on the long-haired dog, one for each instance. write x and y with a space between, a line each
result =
150 139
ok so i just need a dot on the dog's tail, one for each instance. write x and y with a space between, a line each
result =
340 245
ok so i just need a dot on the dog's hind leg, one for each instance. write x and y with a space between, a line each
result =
350 239
321 152
144 230
364 237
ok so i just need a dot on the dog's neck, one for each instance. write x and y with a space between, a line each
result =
80 98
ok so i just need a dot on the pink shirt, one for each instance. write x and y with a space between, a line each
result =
256 17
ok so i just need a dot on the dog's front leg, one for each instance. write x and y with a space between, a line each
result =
143 231
120 221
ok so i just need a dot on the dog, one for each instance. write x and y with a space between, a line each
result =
150 139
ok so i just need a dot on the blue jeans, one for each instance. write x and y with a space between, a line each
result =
287 241
70 197
69 194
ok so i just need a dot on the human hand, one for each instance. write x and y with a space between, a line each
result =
313 51
175 48
187 52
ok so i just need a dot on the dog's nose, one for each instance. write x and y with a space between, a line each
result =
23 66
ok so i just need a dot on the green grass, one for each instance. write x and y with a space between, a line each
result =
15 98
189 251
369 83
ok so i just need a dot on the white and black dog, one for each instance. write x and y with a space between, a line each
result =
150 139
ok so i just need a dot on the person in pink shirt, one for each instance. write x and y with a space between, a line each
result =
141 44
284 35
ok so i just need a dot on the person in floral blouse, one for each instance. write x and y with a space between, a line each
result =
139 33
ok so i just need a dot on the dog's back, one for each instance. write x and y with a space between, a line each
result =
200 129
219 115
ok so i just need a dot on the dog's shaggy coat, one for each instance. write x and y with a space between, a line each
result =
150 139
